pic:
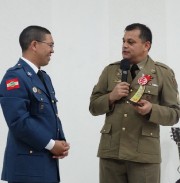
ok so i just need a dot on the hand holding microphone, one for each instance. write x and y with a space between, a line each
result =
124 66
121 89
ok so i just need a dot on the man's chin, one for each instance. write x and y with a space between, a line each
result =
45 63
126 57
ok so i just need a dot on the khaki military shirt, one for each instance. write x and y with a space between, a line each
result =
126 134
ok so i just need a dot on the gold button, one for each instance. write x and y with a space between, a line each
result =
104 130
52 101
30 151
131 90
149 91
123 129
127 102
151 134
125 115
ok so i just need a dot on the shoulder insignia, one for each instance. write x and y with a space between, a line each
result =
12 84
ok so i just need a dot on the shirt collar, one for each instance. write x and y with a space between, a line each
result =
30 64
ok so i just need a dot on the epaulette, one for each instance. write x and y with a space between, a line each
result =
17 66
115 63
162 65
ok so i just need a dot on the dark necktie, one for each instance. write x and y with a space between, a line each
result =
41 77
133 70
40 74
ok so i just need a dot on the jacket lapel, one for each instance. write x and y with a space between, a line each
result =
36 82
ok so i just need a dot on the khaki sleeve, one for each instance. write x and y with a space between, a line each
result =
99 100
167 112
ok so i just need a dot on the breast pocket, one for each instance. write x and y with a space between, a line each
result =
151 94
39 104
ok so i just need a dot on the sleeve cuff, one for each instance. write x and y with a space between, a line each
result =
50 145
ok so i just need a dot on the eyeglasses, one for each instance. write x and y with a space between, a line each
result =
51 45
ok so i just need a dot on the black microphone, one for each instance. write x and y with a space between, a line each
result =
124 66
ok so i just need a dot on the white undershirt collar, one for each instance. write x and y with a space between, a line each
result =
34 67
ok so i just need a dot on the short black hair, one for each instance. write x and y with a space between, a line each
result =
30 34
145 32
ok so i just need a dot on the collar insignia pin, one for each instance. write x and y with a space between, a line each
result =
153 71
29 73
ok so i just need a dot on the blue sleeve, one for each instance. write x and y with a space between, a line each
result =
16 107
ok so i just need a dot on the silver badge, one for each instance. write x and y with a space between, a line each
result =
34 89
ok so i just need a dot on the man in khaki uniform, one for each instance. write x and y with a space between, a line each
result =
129 148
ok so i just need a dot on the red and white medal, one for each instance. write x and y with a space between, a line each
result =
144 79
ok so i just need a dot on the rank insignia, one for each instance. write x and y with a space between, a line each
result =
39 91
12 84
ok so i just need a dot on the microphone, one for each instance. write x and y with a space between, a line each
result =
124 66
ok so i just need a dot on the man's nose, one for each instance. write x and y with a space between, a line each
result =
125 45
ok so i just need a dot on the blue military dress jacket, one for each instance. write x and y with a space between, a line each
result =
31 114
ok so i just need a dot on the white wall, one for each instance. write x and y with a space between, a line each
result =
88 36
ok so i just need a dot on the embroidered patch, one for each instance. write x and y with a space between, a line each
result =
12 84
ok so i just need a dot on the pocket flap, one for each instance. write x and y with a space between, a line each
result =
150 130
152 90
106 128
41 98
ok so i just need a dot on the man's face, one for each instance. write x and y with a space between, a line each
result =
133 48
44 50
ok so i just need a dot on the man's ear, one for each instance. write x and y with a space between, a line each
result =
33 45
147 46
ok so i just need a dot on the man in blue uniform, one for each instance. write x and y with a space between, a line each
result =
35 139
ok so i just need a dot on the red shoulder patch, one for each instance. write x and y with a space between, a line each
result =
12 84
